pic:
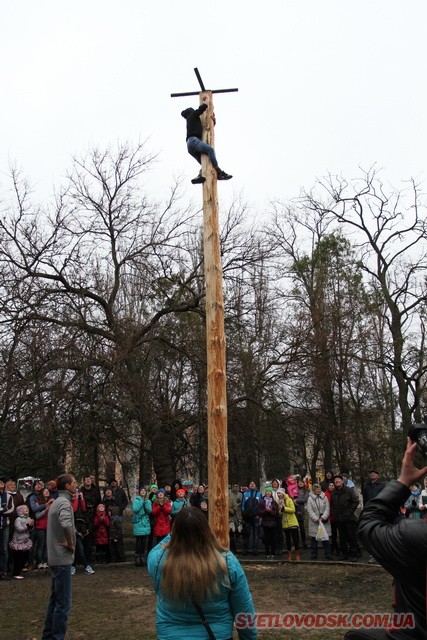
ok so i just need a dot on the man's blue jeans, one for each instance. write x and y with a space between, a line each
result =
4 542
58 610
251 526
196 147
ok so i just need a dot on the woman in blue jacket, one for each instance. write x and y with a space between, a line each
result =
195 577
141 508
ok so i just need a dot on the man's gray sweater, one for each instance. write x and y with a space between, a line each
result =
59 521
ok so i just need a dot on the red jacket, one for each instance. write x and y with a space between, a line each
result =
101 529
162 521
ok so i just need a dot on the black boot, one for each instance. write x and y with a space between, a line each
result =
221 175
198 179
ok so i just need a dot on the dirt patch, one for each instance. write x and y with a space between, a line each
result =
118 601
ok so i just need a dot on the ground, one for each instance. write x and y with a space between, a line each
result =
118 600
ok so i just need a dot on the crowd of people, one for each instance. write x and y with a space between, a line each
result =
286 516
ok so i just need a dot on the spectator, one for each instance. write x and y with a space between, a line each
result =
21 541
210 584
81 523
300 503
161 511
334 529
251 522
108 500
46 500
373 487
344 503
34 507
117 546
318 512
119 495
269 514
141 508
92 496
289 525
371 490
400 546
423 500
61 544
411 507
178 503
6 508
176 485
18 500
197 498
329 477
233 523
101 534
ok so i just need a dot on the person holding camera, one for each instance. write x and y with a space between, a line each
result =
400 546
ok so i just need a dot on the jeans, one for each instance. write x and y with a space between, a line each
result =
4 546
59 607
196 147
251 526
41 551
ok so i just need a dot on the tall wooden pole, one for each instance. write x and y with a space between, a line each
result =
215 341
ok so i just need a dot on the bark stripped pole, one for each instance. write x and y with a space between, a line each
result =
215 342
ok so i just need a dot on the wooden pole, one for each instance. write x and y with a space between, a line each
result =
215 341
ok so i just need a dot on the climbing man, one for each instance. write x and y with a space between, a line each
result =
195 144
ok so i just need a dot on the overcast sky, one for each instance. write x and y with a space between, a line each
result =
324 86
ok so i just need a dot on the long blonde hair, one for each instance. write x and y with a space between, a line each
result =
194 566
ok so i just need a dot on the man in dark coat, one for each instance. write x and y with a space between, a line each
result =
373 487
195 144
400 546
344 503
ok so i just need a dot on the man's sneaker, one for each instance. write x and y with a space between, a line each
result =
73 570
89 570
198 179
221 175
40 565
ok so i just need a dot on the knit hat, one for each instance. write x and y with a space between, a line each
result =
281 491
180 493
268 488
316 486
20 508
153 486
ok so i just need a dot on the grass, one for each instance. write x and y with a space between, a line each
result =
118 600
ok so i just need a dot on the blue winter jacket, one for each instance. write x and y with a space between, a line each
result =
175 621
142 509
177 506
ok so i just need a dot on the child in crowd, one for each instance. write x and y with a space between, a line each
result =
117 547
101 534
161 510
179 502
21 541
44 498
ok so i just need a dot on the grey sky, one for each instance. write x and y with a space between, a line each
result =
323 86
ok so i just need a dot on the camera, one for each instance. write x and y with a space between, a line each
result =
418 434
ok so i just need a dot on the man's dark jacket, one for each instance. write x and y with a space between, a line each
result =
401 548
194 124
344 503
371 490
